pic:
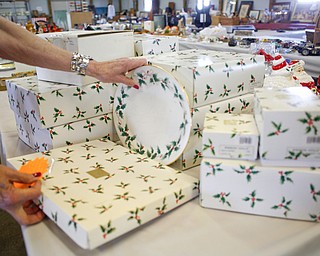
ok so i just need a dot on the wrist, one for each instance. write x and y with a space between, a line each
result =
79 63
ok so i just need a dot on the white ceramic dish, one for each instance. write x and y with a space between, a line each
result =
156 118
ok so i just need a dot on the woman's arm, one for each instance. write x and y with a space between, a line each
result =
20 45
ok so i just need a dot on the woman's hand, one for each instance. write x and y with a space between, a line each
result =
18 202
115 71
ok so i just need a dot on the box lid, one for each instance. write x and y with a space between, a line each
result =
98 190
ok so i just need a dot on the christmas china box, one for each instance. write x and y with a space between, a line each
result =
99 45
152 45
249 187
44 139
232 136
288 121
48 104
192 154
212 76
98 191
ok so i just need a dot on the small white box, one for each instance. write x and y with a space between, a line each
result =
212 76
232 136
288 121
249 187
147 45
100 45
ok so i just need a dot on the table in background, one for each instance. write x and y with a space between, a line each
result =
187 230
312 63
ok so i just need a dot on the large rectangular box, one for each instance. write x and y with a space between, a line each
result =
98 191
192 154
212 76
232 136
153 45
48 104
44 139
288 120
249 187
100 45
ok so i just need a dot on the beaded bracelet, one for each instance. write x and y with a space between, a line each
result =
79 63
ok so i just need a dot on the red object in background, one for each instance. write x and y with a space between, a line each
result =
267 57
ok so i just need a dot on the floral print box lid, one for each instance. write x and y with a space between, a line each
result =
97 191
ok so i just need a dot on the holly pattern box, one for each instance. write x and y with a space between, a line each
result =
43 139
288 120
230 136
152 45
212 76
48 104
249 187
97 191
192 154
99 45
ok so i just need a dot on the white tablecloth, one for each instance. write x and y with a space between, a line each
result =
188 230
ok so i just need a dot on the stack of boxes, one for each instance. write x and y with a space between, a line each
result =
214 82
59 108
288 121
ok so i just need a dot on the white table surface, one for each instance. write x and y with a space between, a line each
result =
187 230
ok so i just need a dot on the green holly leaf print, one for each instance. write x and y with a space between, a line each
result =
310 122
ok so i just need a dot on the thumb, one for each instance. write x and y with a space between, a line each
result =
16 176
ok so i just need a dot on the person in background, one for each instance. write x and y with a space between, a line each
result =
18 44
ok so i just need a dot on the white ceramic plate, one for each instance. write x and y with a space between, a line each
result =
156 118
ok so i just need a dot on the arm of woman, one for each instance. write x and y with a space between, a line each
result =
20 45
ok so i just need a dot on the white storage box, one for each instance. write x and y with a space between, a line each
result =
98 191
49 104
248 187
100 45
154 45
288 120
44 139
212 76
232 136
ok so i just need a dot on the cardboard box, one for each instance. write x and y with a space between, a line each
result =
288 120
49 104
98 191
147 45
249 187
192 154
44 139
232 136
100 45
212 76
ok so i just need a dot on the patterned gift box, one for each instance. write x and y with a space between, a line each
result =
96 44
146 45
249 187
48 104
212 76
232 136
192 155
288 120
98 190
44 139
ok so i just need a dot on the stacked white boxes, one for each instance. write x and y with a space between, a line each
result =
50 115
288 121
216 82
